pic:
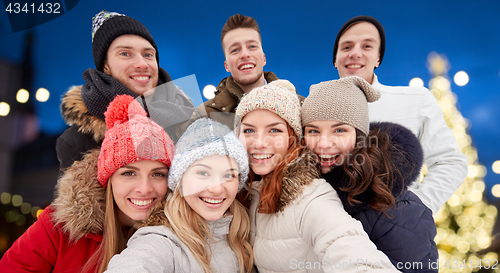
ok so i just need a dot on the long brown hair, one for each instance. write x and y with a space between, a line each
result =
192 229
114 237
271 190
369 167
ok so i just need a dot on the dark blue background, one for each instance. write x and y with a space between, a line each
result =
297 38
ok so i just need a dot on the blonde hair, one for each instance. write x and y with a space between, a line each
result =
192 229
114 238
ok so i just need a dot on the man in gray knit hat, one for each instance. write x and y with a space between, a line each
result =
358 50
127 62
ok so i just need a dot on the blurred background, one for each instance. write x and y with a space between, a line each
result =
451 42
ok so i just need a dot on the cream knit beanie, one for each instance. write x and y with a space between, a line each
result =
278 97
345 100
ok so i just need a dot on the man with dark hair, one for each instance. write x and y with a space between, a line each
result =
359 49
127 62
245 60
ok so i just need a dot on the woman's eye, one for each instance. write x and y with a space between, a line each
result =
275 130
312 131
128 173
248 131
229 176
159 175
124 54
149 55
203 173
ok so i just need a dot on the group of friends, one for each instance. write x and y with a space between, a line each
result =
257 179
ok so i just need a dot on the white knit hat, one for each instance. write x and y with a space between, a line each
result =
206 137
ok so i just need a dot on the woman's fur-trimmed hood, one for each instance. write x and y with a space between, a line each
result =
79 206
297 174
75 112
406 155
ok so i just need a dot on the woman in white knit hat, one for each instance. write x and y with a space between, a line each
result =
371 166
200 228
297 221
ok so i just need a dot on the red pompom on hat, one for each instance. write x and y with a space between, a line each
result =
131 137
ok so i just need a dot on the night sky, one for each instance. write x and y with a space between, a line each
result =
298 39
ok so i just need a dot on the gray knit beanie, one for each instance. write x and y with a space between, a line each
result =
206 137
345 100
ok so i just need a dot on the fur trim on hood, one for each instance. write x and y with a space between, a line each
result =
80 203
297 174
406 155
74 111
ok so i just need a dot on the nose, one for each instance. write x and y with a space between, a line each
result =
145 185
356 52
244 53
216 187
259 141
140 63
325 142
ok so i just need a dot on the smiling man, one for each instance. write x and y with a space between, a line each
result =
245 60
127 62
359 49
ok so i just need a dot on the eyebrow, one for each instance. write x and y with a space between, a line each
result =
333 125
130 47
138 169
269 125
208 167
245 42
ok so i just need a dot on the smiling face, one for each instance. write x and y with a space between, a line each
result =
131 60
136 187
210 185
266 139
245 59
331 141
358 51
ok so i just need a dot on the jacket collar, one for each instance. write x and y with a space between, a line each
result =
80 199
296 176
75 112
229 93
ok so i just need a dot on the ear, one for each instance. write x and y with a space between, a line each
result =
226 67
335 64
264 59
106 69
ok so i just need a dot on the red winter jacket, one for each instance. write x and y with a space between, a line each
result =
46 248
68 231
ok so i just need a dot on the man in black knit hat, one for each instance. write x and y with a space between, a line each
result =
359 49
127 62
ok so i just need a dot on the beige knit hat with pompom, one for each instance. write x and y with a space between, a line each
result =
278 97
345 100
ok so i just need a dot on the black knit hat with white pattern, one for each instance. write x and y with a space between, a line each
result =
107 26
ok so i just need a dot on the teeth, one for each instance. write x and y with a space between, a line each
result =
140 78
354 66
141 202
327 156
212 201
247 66
264 156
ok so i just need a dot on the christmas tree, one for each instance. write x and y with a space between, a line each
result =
464 223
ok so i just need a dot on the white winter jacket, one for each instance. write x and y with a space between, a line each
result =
417 109
311 232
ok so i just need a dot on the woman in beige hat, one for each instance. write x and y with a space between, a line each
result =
297 222
371 166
